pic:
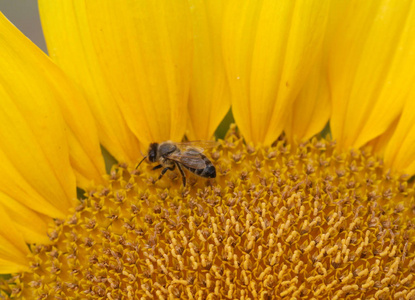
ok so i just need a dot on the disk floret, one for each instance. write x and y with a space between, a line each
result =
288 221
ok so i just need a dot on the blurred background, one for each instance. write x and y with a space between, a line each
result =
24 15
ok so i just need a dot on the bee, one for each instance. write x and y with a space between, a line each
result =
189 155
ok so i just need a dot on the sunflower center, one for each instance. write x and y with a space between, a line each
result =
275 223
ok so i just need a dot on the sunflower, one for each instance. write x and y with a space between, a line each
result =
292 213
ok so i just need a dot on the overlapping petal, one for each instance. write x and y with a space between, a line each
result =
31 225
133 58
13 250
370 64
400 149
34 86
33 151
209 90
311 109
270 48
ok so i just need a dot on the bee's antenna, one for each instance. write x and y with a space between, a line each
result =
141 162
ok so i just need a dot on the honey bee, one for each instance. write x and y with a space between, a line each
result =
187 154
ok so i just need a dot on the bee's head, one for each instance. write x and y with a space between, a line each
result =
152 152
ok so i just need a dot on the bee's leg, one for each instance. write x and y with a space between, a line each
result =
157 167
164 171
182 173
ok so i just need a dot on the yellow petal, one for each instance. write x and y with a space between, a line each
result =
379 144
13 250
400 150
24 62
31 225
133 59
33 148
209 91
84 148
311 109
270 48
371 59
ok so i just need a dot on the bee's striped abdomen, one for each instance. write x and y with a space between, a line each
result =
208 172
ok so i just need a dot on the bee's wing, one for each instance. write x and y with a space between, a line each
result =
190 158
199 146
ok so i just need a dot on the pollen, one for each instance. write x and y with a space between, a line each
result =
300 221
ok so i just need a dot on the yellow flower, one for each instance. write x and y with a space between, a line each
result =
288 215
